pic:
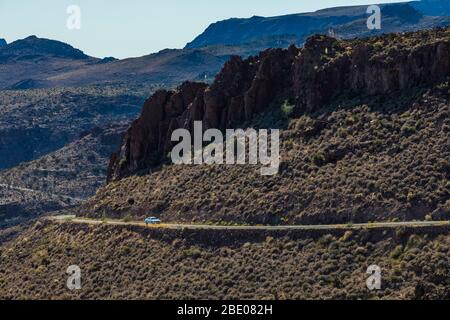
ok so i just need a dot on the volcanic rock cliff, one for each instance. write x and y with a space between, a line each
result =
310 78
242 89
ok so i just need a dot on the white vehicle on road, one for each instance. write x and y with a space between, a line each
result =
152 220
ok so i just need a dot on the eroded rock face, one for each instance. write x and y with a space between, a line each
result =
310 77
146 140
242 89
327 68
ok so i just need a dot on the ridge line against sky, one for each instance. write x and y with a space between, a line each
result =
139 27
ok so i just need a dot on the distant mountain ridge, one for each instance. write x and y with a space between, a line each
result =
3 42
34 62
348 22
432 7
33 47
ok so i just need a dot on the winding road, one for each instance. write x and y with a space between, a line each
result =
376 225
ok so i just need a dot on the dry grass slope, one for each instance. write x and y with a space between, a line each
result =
138 263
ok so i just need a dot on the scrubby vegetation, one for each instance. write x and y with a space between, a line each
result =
60 179
346 157
361 159
37 122
123 263
56 143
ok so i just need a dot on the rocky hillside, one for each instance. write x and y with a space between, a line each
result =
365 133
364 137
76 170
346 22
60 179
47 161
309 78
55 144
36 122
139 263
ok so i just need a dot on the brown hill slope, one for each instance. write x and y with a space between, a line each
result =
369 140
310 78
139 263
356 164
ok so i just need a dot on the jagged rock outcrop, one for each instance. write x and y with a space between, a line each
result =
242 89
309 77
327 67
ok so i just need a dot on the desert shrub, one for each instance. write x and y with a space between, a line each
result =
318 158
287 108
397 252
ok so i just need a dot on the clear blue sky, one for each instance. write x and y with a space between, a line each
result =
123 28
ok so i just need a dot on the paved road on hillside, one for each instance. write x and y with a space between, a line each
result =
378 225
